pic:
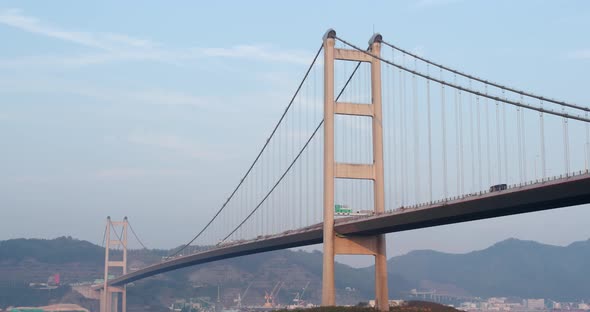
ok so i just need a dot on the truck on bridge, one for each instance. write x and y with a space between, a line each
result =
344 210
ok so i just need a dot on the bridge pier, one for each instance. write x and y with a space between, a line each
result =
358 245
109 300
114 306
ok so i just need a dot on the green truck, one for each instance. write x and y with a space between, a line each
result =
342 209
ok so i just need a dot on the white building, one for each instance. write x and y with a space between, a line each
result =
535 304
495 300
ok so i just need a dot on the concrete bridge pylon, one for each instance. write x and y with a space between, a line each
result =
110 295
333 242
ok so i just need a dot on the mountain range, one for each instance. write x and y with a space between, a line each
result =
511 268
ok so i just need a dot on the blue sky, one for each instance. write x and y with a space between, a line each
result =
154 110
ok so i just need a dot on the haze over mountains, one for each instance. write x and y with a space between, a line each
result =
512 268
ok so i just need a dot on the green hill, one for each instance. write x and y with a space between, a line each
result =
33 260
59 250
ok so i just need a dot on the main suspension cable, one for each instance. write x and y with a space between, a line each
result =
452 85
491 83
275 185
258 156
292 162
134 234
104 236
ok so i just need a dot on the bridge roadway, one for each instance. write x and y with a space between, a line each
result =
557 193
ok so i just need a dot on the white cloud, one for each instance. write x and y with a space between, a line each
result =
167 97
263 53
257 52
270 102
583 54
133 173
106 41
172 143
81 60
121 47
103 174
148 96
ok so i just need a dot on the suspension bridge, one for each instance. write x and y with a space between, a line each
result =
377 140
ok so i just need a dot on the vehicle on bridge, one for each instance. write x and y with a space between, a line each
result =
498 187
344 210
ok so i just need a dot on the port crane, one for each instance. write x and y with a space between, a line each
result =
299 302
242 296
270 298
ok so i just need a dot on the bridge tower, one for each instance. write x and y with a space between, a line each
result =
109 297
333 242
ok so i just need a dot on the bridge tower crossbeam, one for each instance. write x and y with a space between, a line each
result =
333 242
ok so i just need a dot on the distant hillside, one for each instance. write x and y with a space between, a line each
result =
509 268
512 267
33 260
59 250
295 269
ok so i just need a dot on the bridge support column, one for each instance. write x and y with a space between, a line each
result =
114 307
328 290
124 299
102 301
381 285
109 296
360 245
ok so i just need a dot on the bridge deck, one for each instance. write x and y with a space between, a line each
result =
558 193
